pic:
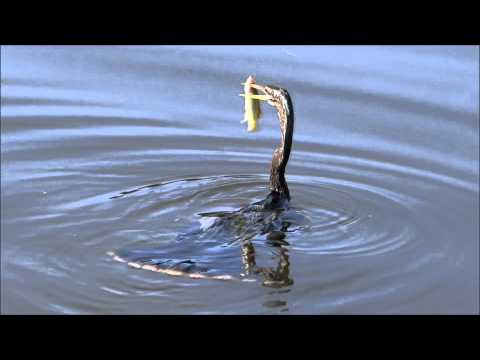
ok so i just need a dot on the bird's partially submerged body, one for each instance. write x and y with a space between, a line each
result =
227 245
267 221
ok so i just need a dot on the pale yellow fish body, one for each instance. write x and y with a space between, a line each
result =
252 106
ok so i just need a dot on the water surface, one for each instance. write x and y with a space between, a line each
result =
384 173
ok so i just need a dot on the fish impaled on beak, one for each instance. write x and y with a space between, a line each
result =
252 103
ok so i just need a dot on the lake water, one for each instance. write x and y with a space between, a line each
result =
384 172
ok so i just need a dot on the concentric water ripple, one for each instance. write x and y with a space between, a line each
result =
125 149
334 219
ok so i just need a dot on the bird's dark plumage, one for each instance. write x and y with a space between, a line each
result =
267 217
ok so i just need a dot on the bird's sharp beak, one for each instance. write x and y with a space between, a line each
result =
256 97
257 87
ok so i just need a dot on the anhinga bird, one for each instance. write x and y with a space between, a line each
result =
280 99
267 217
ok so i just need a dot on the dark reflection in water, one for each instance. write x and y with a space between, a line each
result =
278 276
209 250
134 149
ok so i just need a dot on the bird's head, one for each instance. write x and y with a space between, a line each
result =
273 95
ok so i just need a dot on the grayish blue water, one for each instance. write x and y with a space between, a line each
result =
384 168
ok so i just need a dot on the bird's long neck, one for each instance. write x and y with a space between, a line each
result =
281 154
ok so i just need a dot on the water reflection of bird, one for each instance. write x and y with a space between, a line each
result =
268 217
